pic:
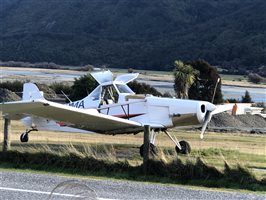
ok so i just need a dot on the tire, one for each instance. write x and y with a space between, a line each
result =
185 148
24 137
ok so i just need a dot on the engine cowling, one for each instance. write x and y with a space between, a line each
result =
202 109
187 113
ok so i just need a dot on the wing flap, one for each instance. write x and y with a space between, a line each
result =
87 119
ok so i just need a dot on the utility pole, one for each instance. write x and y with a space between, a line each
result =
7 129
146 148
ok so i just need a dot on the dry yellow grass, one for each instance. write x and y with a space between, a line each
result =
245 143
252 148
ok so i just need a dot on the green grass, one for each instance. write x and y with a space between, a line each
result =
230 77
236 149
103 161
212 156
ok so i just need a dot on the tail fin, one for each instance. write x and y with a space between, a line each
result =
31 92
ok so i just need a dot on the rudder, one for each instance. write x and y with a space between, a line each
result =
31 92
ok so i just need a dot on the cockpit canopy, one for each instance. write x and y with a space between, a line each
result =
109 90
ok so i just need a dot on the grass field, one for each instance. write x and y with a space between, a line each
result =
246 149
221 160
229 77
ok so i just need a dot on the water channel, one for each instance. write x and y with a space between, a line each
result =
44 76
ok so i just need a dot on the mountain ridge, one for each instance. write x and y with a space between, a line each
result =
136 34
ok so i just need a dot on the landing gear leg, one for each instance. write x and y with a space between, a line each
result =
182 147
153 148
25 136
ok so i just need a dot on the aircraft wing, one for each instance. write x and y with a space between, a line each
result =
87 119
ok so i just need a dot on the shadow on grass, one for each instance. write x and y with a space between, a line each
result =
192 171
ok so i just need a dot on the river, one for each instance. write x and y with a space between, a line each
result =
44 76
228 91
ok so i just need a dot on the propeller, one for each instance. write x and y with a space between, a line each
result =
210 107
206 121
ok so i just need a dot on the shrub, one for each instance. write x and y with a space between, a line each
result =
255 78
82 87
143 88
14 86
58 87
246 98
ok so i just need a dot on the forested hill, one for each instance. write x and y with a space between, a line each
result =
147 34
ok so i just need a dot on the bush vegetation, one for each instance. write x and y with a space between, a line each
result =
46 65
143 88
89 161
14 86
255 78
59 87
82 86
204 85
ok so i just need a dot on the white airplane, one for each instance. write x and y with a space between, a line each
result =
111 108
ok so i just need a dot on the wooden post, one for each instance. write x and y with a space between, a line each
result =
7 129
146 148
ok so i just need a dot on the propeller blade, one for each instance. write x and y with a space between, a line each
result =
206 121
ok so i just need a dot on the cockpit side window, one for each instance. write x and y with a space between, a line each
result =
95 95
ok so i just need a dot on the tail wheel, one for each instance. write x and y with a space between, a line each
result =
24 137
153 150
185 147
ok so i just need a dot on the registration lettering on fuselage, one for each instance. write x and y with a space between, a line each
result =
77 104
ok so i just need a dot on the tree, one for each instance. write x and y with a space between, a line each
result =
232 100
184 75
246 98
143 88
205 82
82 87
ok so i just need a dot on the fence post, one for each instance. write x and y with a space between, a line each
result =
7 129
146 148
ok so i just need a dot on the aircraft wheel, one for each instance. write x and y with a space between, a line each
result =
185 147
24 137
153 150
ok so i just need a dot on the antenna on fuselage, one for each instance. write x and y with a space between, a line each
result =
214 92
66 96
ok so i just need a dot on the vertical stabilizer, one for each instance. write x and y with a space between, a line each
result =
31 92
